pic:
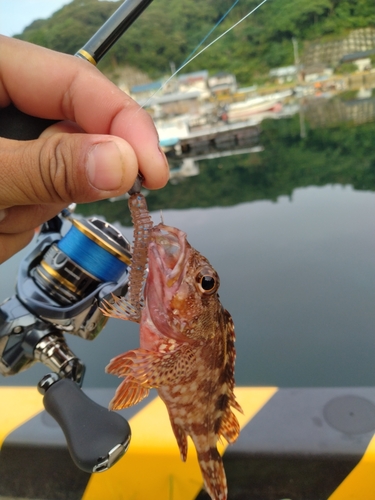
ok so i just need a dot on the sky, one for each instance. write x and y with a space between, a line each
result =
15 15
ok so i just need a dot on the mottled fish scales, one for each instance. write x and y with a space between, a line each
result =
186 352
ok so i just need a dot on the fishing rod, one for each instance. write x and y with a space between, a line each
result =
111 31
62 284
14 124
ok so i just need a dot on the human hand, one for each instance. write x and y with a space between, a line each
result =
95 153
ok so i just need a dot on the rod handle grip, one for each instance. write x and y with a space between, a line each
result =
14 124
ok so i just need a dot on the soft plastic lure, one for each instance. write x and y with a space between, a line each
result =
142 226
132 304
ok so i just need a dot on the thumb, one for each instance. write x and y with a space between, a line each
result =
65 168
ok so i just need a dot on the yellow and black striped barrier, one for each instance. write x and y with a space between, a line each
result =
300 444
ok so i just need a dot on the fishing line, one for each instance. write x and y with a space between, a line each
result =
209 33
214 41
199 53
93 254
132 307
205 48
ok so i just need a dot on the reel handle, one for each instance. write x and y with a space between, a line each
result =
96 437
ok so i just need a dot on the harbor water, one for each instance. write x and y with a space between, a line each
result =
289 227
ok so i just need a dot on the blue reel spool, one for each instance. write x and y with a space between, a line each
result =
96 252
92 252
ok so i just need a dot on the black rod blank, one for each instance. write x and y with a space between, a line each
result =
17 125
112 29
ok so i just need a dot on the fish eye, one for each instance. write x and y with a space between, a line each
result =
207 283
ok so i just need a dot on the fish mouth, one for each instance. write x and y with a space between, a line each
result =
167 256
168 246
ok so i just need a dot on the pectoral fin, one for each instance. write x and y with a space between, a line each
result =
128 394
143 370
136 367
120 308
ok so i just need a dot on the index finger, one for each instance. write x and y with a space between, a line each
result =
47 84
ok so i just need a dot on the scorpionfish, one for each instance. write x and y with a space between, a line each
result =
186 352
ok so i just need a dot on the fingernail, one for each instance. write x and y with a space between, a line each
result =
164 157
2 214
105 166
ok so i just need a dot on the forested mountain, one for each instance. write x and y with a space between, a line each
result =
169 30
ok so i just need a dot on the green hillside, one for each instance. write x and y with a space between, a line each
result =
169 30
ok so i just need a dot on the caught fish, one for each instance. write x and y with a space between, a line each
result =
186 352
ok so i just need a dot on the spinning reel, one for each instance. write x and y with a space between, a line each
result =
60 288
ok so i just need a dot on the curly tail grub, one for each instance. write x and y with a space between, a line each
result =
142 226
130 306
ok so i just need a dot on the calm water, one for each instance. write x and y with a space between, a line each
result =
291 232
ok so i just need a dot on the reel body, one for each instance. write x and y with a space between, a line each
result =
60 287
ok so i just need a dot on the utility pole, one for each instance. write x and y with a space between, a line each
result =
302 127
174 84
296 58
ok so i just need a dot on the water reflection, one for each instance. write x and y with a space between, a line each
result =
290 230
277 165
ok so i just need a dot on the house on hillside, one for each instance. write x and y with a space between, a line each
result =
222 83
193 82
145 91
284 74
361 59
178 103
316 73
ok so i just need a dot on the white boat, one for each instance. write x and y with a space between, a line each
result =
260 104
242 113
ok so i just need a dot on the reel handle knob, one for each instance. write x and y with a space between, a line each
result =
96 437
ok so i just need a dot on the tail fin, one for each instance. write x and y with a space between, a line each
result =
213 473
